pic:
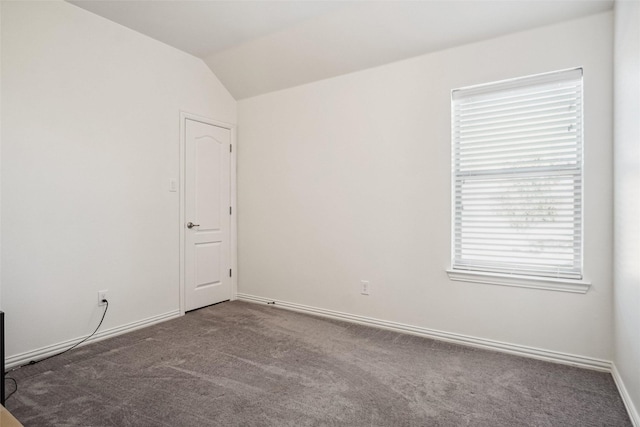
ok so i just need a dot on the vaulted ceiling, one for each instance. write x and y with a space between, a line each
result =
255 47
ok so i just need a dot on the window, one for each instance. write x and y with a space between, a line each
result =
517 179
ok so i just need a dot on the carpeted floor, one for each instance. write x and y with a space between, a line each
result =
242 364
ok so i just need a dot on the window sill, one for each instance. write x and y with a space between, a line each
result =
546 283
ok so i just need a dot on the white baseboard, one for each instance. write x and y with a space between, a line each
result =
631 409
519 350
516 349
40 353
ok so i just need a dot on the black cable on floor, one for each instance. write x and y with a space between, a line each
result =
33 362
14 391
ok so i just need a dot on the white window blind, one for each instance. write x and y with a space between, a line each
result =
517 176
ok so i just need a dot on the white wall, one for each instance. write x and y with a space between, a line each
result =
349 178
90 140
627 199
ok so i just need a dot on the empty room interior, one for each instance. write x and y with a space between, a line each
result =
320 212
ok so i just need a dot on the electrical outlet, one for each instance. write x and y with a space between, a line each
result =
101 296
364 287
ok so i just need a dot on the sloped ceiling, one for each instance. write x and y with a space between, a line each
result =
255 47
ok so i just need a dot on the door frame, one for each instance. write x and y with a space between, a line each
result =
233 246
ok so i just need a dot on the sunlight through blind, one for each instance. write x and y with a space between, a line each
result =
517 176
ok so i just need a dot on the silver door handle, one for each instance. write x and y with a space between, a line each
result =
191 225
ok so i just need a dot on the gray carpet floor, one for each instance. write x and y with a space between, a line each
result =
243 364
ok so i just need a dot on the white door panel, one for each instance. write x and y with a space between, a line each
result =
207 201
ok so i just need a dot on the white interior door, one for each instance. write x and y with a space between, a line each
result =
207 214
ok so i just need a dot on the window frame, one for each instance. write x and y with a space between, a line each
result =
537 281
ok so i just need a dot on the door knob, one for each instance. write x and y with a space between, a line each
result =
191 225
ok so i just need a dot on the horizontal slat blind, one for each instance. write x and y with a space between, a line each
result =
517 176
